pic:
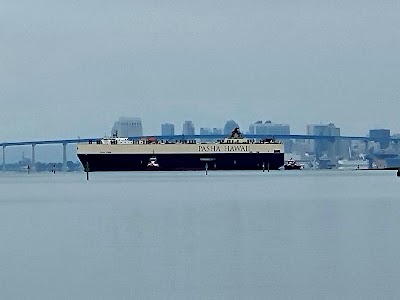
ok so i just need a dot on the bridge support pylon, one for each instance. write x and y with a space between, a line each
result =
64 166
366 142
4 158
33 161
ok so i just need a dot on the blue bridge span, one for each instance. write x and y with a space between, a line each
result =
65 142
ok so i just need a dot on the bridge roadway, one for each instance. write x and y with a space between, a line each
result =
65 142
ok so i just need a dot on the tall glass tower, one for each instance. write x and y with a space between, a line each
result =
127 126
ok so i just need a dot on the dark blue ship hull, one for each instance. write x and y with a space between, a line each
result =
180 162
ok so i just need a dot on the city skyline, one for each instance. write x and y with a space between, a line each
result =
283 128
139 128
51 153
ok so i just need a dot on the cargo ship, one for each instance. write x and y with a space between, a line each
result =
231 153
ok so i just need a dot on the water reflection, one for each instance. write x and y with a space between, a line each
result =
185 235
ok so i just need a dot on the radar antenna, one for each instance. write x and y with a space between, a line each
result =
235 134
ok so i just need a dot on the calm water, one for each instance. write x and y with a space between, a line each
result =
228 235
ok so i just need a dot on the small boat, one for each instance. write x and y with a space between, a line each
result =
352 164
153 165
292 165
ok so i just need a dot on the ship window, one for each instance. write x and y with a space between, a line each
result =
277 151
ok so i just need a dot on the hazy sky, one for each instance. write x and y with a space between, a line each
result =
71 68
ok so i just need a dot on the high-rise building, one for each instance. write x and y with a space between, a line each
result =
323 129
127 127
382 136
323 147
217 131
209 131
167 129
205 131
252 129
229 126
269 128
188 128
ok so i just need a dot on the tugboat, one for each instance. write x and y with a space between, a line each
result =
153 165
292 165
